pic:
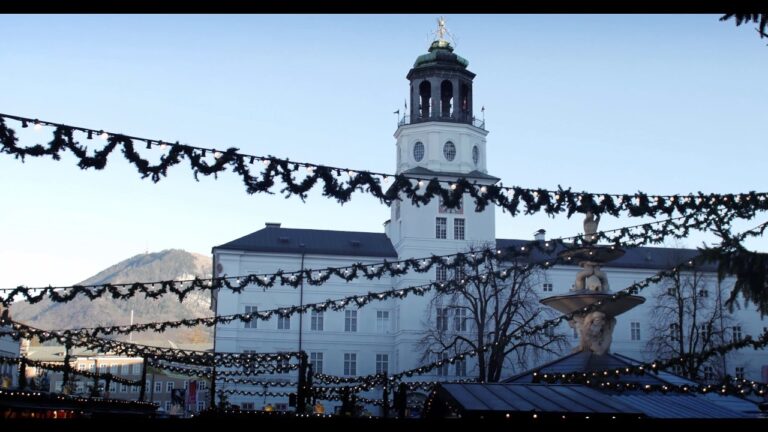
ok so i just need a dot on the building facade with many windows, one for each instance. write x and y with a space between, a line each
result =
439 137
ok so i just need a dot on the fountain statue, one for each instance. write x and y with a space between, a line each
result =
595 328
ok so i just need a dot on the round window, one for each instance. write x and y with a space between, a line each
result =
449 151
475 154
418 151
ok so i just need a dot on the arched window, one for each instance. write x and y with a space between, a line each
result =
475 155
418 151
446 99
425 98
449 151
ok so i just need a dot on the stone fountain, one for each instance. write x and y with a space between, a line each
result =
595 328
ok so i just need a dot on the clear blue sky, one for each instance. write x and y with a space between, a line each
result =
663 104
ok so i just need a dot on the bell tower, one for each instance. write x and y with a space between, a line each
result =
440 137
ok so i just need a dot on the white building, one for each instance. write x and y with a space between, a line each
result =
9 348
439 137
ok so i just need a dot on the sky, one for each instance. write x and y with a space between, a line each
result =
662 104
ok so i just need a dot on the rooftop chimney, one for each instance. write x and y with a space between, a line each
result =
539 235
272 224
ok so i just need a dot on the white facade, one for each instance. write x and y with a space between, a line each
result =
9 375
384 334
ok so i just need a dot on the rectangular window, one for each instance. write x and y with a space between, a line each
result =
316 320
382 321
441 228
460 319
458 229
443 370
119 369
736 333
709 373
200 406
158 386
382 363
350 364
169 387
739 373
283 322
461 368
316 360
81 366
459 274
671 291
704 331
124 388
202 385
350 321
112 387
442 319
635 331
547 287
456 210
674 331
167 406
254 322
703 293
113 369
441 273
247 406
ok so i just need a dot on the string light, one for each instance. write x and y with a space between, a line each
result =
565 200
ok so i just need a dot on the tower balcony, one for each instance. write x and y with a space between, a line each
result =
455 118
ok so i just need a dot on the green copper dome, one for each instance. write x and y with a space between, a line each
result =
440 51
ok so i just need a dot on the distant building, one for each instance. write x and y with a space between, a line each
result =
439 136
10 348
159 385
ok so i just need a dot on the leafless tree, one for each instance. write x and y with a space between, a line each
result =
688 318
493 299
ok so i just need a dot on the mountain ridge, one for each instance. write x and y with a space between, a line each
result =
168 264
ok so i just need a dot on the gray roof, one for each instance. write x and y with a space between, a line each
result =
428 173
575 399
656 405
586 361
352 243
315 242
680 406
655 258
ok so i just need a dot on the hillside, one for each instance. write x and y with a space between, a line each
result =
168 264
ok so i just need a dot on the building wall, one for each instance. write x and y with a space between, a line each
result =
158 386
9 348
412 232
